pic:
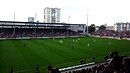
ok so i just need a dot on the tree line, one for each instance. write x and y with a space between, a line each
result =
92 28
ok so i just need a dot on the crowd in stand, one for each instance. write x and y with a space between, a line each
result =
32 32
118 64
112 33
53 70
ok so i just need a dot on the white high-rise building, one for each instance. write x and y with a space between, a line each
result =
52 15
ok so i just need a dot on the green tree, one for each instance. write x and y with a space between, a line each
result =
102 27
91 28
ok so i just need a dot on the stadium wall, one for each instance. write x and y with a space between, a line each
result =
36 37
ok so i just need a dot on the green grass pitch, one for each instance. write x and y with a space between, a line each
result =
24 55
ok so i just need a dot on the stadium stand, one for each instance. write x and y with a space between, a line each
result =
29 32
112 33
11 29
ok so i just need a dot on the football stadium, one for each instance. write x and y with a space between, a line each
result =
33 47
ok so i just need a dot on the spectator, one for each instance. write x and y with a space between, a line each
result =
38 69
11 70
81 61
93 58
126 63
53 70
50 68
106 57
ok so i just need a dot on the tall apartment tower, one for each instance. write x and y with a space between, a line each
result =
52 15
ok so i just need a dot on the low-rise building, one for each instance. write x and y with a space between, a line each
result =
122 26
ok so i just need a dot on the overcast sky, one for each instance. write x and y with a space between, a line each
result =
99 11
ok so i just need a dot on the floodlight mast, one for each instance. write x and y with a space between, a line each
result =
69 19
14 23
35 17
14 15
87 21
35 20
68 23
